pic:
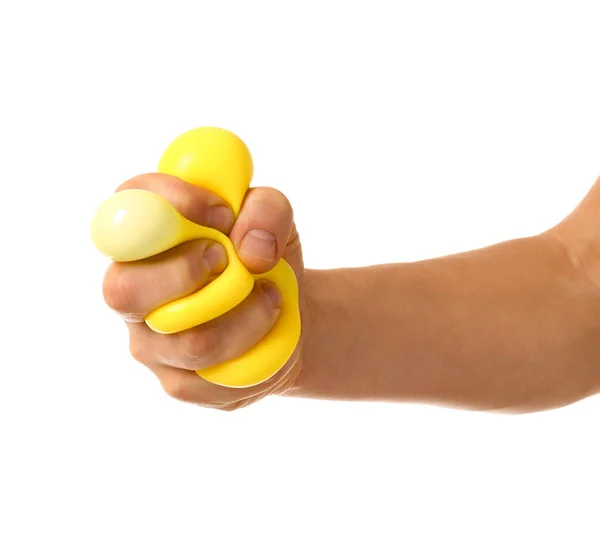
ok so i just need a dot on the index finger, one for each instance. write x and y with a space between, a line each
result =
195 203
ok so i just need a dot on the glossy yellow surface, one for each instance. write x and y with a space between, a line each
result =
136 224
212 158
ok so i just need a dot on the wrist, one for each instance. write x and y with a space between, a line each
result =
324 296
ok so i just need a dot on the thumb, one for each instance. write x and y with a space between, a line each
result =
262 229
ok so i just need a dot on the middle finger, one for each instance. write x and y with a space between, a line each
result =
134 289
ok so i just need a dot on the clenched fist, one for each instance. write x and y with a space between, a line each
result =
263 233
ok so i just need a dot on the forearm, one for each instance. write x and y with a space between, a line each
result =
509 327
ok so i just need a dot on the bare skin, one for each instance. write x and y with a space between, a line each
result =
514 327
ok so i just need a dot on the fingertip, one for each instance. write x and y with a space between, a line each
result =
259 244
220 217
215 258
272 292
263 228
197 204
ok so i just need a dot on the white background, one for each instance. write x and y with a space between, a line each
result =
400 131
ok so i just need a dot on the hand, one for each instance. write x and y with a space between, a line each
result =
263 233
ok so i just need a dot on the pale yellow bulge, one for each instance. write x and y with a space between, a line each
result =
136 224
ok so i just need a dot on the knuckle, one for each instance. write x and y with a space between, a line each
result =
199 345
119 291
273 199
284 202
179 388
140 181
276 196
279 202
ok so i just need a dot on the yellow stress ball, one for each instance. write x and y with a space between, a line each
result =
136 224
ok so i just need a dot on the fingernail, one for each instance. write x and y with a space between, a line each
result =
215 258
220 217
272 291
259 243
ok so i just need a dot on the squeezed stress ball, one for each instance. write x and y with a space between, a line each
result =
136 224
